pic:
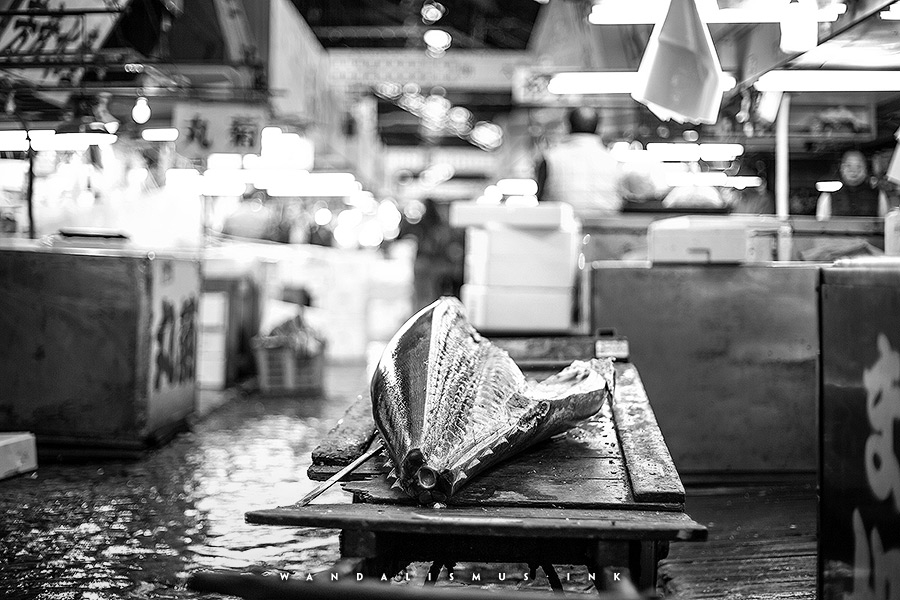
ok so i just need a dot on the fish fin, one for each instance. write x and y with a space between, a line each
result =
392 474
396 485
460 478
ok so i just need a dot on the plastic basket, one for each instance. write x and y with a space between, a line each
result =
282 370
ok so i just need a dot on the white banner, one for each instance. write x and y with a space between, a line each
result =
207 128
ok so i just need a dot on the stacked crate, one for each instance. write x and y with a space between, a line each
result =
521 266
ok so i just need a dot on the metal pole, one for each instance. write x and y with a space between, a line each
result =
782 185
782 179
29 190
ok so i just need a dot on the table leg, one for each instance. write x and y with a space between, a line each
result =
642 562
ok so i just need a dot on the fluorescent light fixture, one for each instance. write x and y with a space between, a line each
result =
828 81
48 140
674 152
720 152
243 176
224 160
517 187
710 179
13 141
265 178
316 184
212 185
607 82
182 176
166 134
828 186
628 12
740 182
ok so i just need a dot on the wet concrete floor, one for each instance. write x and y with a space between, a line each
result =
137 528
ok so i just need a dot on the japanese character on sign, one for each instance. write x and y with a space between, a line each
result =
243 132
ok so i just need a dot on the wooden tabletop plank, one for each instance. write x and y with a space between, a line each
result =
650 467
610 524
349 438
510 491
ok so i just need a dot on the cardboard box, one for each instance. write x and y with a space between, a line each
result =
18 454
101 347
546 215
518 309
712 239
522 257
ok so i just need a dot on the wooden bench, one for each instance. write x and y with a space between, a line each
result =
605 494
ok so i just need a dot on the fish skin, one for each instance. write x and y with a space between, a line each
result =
449 404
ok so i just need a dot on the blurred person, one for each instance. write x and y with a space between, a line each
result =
756 200
857 196
580 170
438 266
255 219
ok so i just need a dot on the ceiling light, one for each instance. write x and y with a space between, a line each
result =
607 82
437 39
224 160
76 134
674 152
166 134
628 12
432 12
517 187
13 141
828 186
741 182
720 152
141 111
487 136
828 81
711 179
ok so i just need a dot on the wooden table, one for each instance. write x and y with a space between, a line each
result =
605 494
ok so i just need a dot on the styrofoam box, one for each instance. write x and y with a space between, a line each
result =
522 257
712 239
518 309
546 215
18 454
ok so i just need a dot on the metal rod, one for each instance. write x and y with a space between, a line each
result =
375 449
29 190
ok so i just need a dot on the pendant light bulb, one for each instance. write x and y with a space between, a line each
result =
141 111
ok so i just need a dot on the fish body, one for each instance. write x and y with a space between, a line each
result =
449 403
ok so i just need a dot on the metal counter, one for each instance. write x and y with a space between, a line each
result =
625 236
727 354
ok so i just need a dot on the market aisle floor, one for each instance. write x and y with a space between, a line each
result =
136 529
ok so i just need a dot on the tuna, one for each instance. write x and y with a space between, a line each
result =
449 404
